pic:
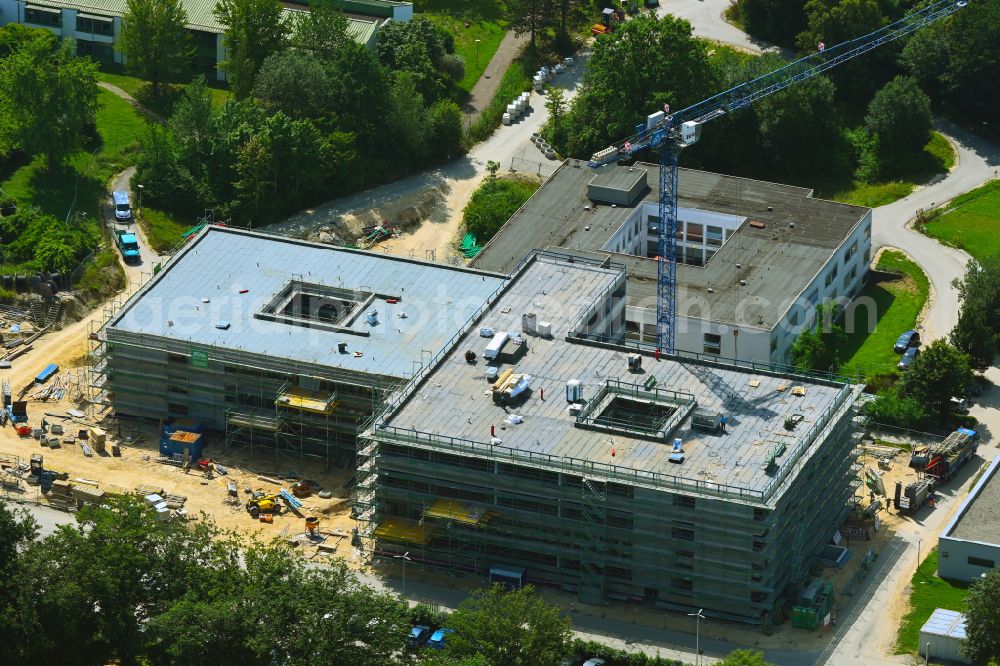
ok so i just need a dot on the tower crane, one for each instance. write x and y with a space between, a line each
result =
667 133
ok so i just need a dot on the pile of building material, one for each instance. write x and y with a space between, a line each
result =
517 108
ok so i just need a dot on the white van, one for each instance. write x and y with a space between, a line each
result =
123 209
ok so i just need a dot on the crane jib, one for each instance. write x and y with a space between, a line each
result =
669 134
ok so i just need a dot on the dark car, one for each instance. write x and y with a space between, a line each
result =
418 635
906 341
573 660
907 360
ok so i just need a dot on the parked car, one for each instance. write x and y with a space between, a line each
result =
438 638
960 405
572 660
906 341
595 661
907 360
418 635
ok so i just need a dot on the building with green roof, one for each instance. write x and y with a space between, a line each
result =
95 25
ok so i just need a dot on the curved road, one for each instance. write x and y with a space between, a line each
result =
978 161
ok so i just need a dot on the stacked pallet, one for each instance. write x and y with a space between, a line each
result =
61 494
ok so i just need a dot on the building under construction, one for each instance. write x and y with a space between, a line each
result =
279 343
539 442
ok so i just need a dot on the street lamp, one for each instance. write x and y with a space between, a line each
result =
698 617
139 213
406 558
477 53
919 541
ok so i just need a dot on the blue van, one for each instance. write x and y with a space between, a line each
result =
123 209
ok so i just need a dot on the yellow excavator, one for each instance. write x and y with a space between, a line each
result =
264 504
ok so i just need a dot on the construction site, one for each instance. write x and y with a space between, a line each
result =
509 426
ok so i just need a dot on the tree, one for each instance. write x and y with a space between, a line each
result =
420 48
899 121
937 374
294 82
155 40
977 332
982 619
13 36
957 57
529 17
628 77
816 348
890 408
744 658
321 30
566 8
508 628
555 129
254 29
836 21
444 130
776 21
50 97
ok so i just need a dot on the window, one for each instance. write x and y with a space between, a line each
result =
695 233
177 358
831 276
851 251
980 562
868 231
868 256
96 50
39 16
95 26
682 583
713 235
849 278
794 319
813 295
175 408
684 500
713 344
683 531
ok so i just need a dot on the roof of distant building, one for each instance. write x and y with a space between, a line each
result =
978 518
785 238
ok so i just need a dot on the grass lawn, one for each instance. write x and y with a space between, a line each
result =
937 158
927 592
163 231
85 173
162 105
970 222
894 306
486 23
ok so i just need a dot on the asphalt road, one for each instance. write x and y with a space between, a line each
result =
978 161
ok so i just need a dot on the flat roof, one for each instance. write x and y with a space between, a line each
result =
221 262
200 14
455 401
944 622
978 519
777 262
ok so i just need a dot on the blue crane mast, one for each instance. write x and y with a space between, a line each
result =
667 133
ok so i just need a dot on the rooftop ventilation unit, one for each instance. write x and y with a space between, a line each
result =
704 419
574 391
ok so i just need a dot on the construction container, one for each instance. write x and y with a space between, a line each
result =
505 119
175 444
512 110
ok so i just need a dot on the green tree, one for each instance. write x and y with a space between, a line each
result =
628 77
254 29
890 408
776 21
816 348
744 658
321 30
835 21
899 121
977 332
493 203
530 17
938 373
555 128
444 130
13 36
982 619
420 48
957 57
508 628
294 82
155 40
50 97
